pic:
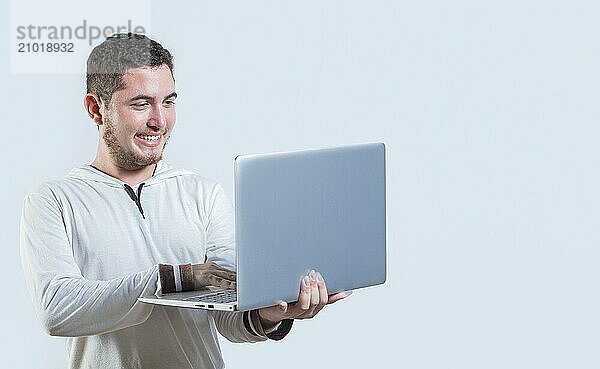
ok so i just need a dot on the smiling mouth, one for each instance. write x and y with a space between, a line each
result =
149 138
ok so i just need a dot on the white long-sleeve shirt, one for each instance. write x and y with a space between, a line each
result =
88 252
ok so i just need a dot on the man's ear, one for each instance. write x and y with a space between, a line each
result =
93 104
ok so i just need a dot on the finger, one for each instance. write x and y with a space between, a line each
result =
283 306
271 315
222 282
304 298
338 296
203 271
323 298
309 297
319 296
302 305
314 289
225 274
214 266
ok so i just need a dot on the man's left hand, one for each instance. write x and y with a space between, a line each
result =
313 297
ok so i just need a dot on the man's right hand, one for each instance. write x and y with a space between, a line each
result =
211 274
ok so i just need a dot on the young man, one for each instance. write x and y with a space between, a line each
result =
120 228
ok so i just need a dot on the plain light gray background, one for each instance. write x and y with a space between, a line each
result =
490 115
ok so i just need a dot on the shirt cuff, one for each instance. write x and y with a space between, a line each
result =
254 326
176 278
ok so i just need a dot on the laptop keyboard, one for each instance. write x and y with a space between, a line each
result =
219 297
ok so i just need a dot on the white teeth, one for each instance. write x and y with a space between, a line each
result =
149 138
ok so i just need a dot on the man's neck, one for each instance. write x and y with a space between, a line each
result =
130 176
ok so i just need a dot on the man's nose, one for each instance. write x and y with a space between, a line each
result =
158 117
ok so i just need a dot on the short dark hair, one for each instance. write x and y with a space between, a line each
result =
110 60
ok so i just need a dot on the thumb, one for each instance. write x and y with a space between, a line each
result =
283 306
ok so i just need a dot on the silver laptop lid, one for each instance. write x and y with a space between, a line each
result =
315 209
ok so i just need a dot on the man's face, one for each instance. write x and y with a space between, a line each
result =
139 118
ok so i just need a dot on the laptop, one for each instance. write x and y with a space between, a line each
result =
321 209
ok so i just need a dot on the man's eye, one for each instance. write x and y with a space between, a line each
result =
140 105
170 102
